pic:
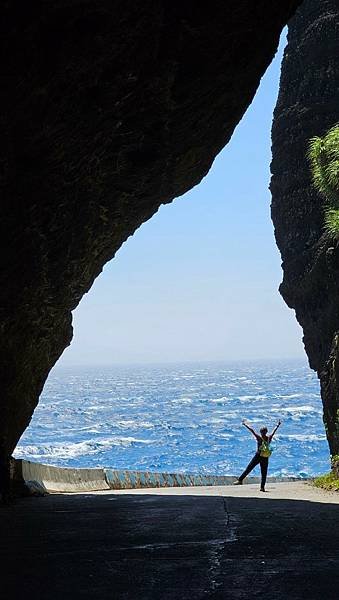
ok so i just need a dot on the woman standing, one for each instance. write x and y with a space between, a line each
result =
262 454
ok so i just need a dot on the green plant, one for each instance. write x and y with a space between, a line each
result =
323 154
335 464
327 482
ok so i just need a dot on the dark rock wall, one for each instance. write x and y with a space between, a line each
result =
109 109
308 104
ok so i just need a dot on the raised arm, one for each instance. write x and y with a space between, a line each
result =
274 430
250 429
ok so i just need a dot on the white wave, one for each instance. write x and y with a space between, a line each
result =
122 441
182 401
304 437
220 400
292 473
289 396
223 385
247 398
225 416
215 421
133 424
296 409
88 429
73 450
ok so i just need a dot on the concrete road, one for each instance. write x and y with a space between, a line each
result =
164 544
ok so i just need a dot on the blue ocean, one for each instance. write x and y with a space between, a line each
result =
179 417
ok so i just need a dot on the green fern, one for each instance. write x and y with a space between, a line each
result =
323 154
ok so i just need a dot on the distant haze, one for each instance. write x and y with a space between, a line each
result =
199 281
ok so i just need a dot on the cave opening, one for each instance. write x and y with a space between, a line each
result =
191 297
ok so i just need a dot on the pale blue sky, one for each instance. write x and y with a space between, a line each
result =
199 281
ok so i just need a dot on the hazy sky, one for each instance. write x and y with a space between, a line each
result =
199 281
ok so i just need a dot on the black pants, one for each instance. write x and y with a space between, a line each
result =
257 460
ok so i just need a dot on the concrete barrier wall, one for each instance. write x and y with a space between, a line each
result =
45 478
39 478
118 480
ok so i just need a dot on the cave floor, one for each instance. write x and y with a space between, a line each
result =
180 543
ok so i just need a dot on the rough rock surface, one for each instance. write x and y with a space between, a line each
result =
308 105
110 109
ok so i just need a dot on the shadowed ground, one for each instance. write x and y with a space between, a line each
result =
221 542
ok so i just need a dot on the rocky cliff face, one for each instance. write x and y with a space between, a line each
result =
308 105
109 109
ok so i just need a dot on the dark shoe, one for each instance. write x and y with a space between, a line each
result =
262 489
238 482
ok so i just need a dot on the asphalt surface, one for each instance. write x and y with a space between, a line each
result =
187 544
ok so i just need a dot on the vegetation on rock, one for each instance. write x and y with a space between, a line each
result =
335 465
329 481
323 154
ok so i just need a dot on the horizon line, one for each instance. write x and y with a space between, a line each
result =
183 362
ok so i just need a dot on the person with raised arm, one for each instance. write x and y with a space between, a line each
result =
262 454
